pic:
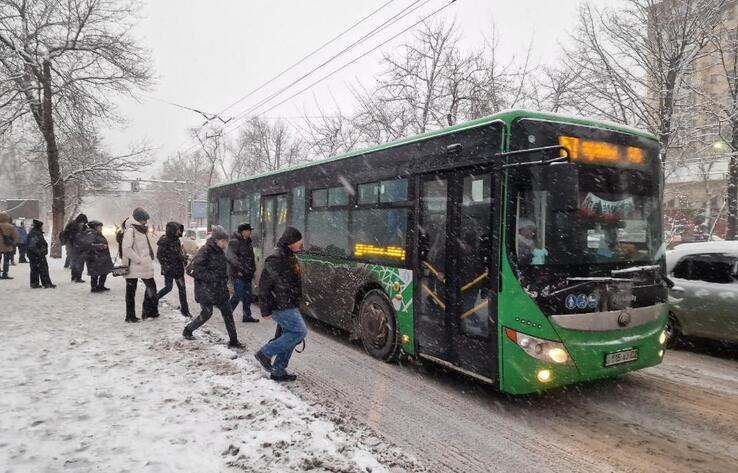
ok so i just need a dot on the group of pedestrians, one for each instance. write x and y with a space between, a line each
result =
221 260
32 248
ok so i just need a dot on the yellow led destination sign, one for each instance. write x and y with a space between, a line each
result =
602 152
397 252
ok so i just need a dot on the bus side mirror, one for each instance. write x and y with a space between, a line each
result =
563 184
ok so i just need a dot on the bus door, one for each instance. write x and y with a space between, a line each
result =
454 266
273 221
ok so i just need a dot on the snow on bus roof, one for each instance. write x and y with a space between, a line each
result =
506 116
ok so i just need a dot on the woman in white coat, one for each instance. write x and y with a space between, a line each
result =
138 255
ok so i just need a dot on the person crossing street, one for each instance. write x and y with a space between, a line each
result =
280 291
241 268
173 260
209 268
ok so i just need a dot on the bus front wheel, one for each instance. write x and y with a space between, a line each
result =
379 333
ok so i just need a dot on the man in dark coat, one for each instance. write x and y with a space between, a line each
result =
280 291
72 233
37 249
210 270
96 253
173 260
241 268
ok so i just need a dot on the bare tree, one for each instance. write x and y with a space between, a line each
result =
330 135
718 111
631 62
262 147
212 149
61 63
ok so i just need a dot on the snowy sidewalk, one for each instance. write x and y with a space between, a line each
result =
84 391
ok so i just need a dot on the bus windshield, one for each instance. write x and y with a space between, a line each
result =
616 219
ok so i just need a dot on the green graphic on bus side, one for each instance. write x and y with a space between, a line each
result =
397 284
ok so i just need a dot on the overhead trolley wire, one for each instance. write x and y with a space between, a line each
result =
399 16
383 26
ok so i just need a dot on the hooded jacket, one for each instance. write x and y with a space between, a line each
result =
209 269
138 254
280 284
241 261
7 229
38 247
96 253
169 252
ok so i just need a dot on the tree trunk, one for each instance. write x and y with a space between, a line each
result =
732 197
52 156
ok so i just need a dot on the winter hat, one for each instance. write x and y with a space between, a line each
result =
37 224
140 215
81 218
219 234
94 224
291 235
244 226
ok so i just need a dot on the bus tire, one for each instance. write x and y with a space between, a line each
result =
378 327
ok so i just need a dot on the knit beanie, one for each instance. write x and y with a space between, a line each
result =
291 235
218 234
140 215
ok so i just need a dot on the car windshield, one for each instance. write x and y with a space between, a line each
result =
616 219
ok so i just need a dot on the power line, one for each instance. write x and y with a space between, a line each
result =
322 46
394 19
351 62
260 87
208 116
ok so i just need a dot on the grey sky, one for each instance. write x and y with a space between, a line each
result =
209 53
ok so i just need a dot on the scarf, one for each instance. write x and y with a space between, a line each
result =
145 230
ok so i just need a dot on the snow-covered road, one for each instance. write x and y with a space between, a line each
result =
84 391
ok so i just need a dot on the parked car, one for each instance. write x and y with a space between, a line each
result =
193 239
705 293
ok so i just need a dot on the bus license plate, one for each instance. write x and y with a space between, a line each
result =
619 357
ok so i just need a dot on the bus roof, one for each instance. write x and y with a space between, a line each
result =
507 116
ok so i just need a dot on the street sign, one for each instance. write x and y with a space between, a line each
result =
199 209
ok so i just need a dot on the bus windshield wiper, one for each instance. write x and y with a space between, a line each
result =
646 269
584 281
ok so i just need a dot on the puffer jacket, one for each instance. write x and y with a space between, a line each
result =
209 268
280 285
169 253
138 254
6 228
97 253
38 247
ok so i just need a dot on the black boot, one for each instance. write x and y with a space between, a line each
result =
132 319
235 344
284 377
263 360
186 333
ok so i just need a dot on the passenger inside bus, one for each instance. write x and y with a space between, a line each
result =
528 250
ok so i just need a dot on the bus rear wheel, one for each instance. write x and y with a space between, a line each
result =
379 333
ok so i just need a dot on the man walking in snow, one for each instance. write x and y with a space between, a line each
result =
173 260
38 248
209 268
241 268
280 291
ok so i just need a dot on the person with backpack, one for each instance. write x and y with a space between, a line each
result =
8 239
241 269
22 242
97 256
74 243
37 250
138 255
209 268
172 259
280 291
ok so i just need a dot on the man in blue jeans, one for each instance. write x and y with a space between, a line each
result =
241 268
280 290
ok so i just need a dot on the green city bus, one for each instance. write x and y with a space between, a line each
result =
523 249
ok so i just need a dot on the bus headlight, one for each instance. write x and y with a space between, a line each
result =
545 350
662 337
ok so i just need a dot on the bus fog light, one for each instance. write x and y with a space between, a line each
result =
661 353
558 355
662 337
544 376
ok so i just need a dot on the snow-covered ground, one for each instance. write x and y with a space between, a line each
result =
84 391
